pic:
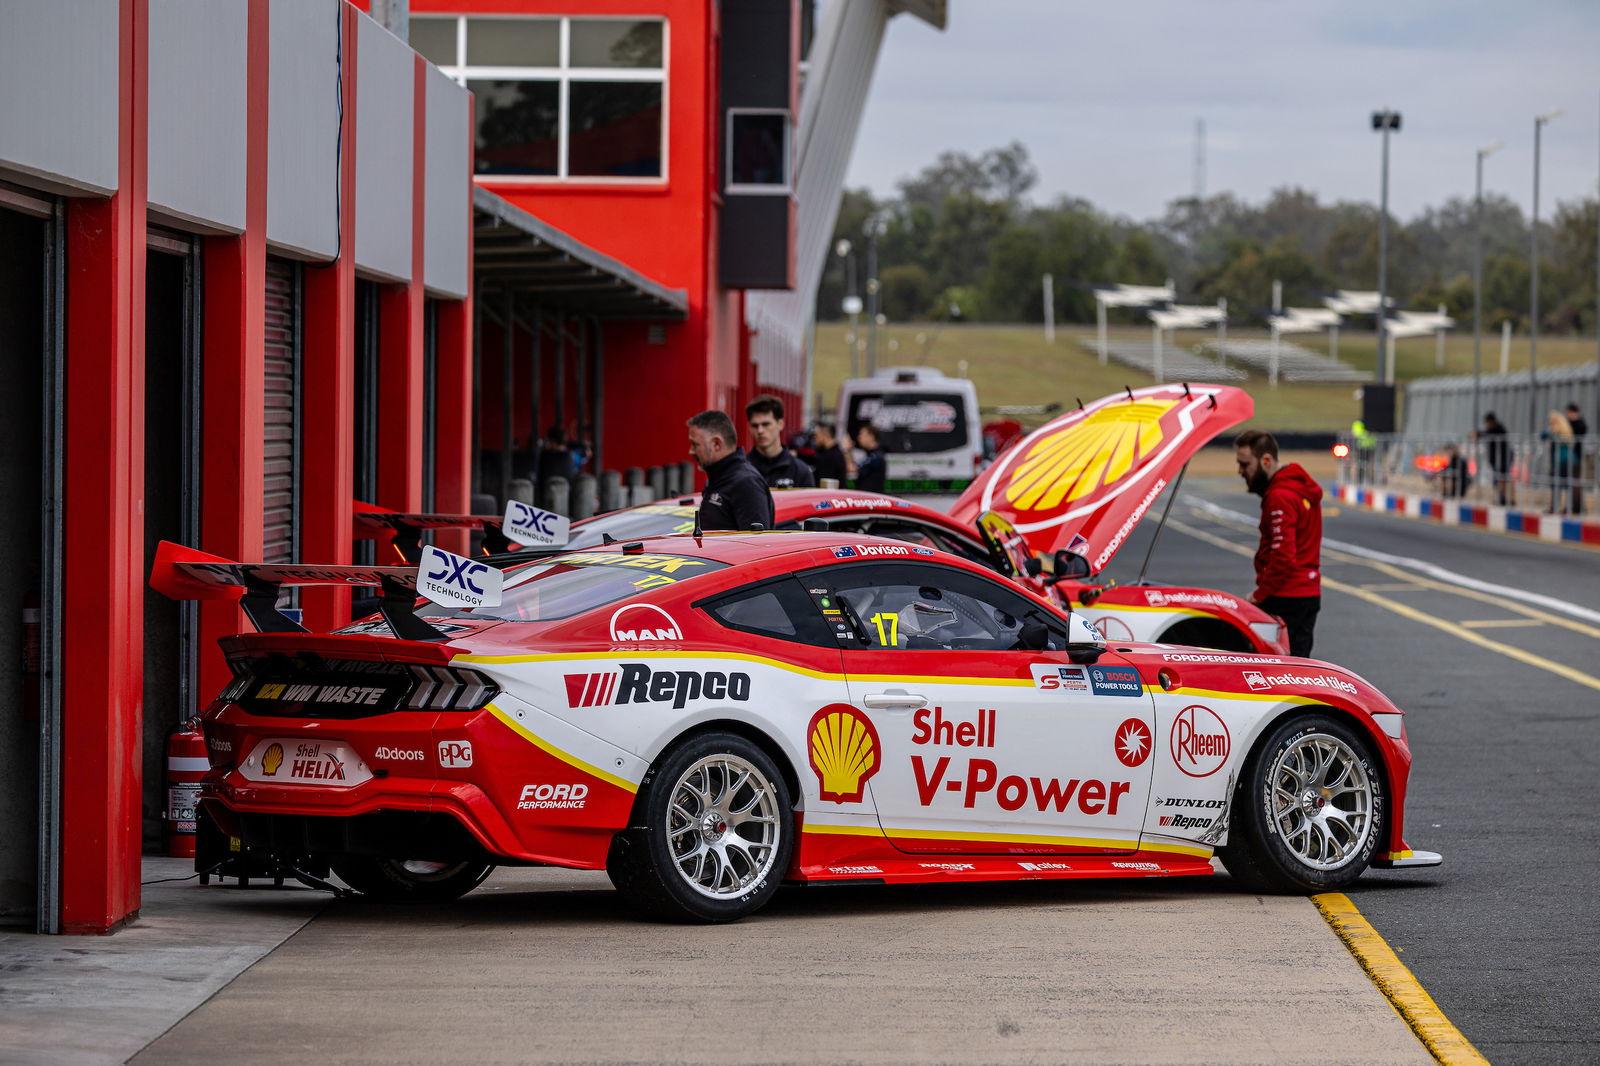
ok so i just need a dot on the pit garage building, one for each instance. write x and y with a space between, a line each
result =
261 258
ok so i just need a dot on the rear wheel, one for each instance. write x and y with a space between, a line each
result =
1310 810
1207 633
409 880
714 834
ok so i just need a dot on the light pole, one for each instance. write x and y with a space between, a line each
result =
1384 121
1533 280
874 227
851 304
1477 286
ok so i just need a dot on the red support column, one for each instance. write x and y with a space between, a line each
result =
233 453
400 339
103 565
328 413
452 431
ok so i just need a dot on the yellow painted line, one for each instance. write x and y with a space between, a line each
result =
1502 623
1411 579
1538 661
572 760
1442 1039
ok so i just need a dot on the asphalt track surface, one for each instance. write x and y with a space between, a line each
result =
1502 695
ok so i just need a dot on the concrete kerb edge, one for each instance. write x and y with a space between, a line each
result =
1442 1039
1548 527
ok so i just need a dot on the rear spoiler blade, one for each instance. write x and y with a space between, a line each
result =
405 529
182 573
526 525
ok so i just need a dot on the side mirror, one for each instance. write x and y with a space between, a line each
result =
1085 643
1069 566
1034 566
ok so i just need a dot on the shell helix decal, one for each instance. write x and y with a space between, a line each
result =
844 751
1078 459
272 760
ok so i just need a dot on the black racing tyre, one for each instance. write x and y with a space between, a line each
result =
712 834
1309 811
1206 633
409 880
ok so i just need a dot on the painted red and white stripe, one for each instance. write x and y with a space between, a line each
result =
591 690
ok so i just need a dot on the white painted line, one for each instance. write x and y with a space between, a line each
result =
1438 573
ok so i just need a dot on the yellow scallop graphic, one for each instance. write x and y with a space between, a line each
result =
844 752
272 759
1098 450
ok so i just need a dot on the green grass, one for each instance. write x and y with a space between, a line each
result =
1014 365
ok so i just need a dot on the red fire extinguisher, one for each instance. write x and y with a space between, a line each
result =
186 765
31 657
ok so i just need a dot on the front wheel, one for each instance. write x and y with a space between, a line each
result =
1310 809
714 834
409 880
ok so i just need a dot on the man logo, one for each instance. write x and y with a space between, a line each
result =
641 625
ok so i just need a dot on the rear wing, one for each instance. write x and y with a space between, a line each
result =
522 524
182 573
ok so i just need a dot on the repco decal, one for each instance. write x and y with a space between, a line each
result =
1199 741
844 751
637 683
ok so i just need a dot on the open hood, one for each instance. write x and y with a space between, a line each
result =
1082 481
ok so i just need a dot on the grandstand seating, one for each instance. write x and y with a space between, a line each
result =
1294 362
1177 363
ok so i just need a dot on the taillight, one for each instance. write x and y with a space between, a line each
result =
449 688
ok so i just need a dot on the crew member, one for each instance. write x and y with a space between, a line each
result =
735 496
871 469
831 460
782 468
1289 560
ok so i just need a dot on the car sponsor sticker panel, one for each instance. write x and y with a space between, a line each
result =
297 761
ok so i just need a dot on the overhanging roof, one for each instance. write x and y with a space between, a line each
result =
516 253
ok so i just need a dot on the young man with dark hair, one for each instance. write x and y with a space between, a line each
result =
782 468
831 461
735 496
1580 430
1289 560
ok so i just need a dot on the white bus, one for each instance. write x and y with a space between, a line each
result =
927 426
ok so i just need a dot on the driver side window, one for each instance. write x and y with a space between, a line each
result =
917 607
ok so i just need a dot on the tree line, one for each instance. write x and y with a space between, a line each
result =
962 239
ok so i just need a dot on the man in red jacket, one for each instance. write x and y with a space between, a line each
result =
1289 561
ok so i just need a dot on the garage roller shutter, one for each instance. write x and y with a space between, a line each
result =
282 403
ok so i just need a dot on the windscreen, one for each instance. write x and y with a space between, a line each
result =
913 421
580 581
635 523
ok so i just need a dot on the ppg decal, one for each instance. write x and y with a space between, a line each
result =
456 581
530 525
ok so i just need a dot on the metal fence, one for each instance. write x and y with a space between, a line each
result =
1530 473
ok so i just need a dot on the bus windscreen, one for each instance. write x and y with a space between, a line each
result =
913 422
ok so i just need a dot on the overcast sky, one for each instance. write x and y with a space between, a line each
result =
1105 96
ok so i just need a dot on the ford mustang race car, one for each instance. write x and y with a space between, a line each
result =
708 717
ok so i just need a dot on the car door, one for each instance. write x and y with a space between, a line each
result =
989 748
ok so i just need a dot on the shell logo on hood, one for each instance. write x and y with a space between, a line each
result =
1078 459
844 752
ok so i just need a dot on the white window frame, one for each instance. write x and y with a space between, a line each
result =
753 188
563 75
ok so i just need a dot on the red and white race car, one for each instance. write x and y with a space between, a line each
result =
1078 484
707 717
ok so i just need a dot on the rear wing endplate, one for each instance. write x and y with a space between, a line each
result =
502 534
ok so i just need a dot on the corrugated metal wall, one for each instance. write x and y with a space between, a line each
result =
282 407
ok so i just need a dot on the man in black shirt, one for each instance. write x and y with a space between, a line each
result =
830 461
735 496
781 467
1498 453
1580 430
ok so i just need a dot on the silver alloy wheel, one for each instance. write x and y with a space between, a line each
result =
1321 801
723 826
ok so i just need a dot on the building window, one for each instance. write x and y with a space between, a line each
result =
758 150
581 99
